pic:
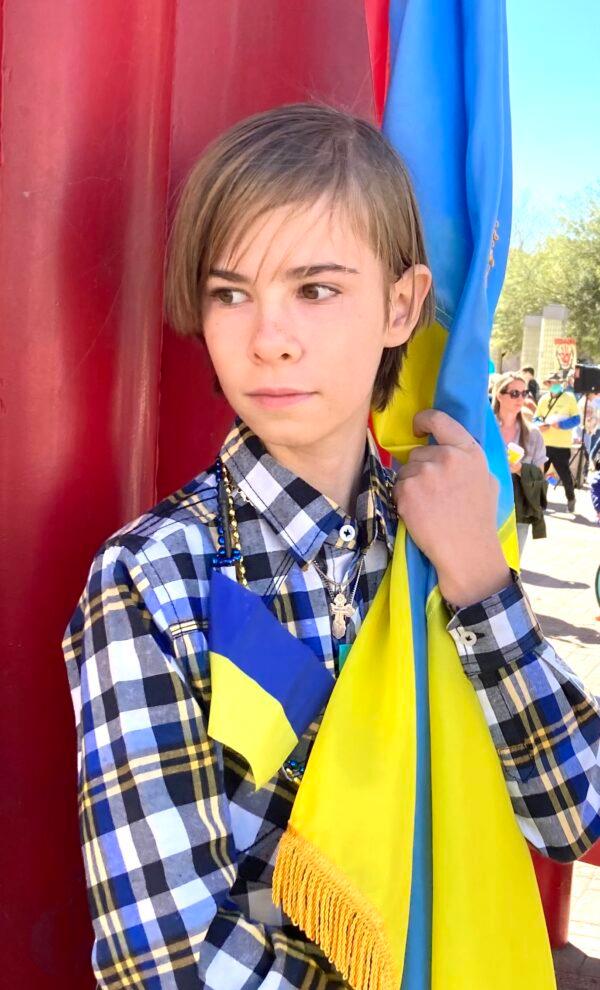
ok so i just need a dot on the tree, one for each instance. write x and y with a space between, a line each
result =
564 269
579 251
524 291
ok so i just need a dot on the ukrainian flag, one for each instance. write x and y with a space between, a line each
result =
447 114
267 686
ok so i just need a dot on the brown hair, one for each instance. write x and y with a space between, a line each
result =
500 386
293 155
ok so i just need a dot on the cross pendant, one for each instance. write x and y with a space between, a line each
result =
341 612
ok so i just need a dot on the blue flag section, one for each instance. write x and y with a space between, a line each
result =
447 114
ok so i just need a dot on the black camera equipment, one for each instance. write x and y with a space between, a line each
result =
587 378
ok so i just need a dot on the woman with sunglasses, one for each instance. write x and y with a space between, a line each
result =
509 395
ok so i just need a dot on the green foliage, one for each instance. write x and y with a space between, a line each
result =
564 269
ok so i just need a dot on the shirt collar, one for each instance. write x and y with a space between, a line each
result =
297 512
375 507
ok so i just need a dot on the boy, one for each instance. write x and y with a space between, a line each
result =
297 255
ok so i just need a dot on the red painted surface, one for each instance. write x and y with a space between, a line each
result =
554 881
104 108
85 152
377 15
593 856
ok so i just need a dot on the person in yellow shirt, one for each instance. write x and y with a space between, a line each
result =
556 416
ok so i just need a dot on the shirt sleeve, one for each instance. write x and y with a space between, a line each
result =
155 824
544 724
572 418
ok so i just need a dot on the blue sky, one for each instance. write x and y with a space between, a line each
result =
554 58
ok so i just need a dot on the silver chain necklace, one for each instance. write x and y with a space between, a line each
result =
341 608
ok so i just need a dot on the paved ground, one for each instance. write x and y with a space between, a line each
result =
559 574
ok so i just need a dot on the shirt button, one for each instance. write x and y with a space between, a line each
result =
347 533
466 636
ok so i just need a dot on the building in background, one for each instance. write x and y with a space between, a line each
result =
546 344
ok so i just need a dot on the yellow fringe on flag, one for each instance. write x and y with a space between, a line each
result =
334 914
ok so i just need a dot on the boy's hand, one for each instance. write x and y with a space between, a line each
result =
447 498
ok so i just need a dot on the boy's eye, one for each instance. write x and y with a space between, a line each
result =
316 291
229 297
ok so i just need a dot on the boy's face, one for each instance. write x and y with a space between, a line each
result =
296 324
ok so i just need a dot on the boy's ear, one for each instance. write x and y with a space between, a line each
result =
412 287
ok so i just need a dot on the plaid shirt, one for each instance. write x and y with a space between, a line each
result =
178 846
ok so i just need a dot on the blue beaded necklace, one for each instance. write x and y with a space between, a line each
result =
229 552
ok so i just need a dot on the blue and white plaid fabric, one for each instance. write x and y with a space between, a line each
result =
178 847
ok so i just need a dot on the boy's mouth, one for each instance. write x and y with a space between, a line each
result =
277 398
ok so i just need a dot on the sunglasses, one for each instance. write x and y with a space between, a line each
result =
515 393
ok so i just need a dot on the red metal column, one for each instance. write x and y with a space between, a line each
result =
85 144
86 128
554 880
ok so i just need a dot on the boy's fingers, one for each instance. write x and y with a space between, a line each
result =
407 470
429 453
442 428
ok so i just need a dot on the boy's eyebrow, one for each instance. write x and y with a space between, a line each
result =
309 271
228 275
302 271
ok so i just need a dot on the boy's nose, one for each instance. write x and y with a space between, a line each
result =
273 340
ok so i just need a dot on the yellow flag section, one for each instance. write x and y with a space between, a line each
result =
343 871
253 706
418 379
488 924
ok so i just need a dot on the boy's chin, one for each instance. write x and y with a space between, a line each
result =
277 430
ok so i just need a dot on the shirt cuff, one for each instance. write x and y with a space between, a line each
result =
497 630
